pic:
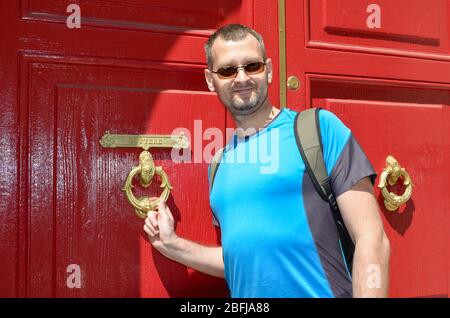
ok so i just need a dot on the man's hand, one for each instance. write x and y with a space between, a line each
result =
159 225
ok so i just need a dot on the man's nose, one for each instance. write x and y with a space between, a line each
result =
241 76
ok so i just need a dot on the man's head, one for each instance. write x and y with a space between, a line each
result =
238 69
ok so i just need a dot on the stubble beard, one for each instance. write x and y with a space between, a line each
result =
240 107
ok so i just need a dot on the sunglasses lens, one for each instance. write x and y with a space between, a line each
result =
254 68
226 72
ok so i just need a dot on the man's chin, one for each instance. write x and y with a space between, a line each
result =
240 107
242 110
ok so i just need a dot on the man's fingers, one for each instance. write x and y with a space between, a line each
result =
163 210
151 236
148 231
152 217
159 220
150 227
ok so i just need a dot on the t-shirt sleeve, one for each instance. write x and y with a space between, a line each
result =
344 158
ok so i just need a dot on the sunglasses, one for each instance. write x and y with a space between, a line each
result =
231 71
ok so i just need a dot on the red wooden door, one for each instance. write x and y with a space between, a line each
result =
384 68
134 67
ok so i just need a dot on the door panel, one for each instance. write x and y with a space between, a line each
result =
390 86
408 28
411 122
139 14
77 211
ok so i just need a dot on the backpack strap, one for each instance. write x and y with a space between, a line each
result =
214 166
309 143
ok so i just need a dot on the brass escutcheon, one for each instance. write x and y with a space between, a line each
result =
293 83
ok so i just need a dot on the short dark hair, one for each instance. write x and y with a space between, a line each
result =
233 32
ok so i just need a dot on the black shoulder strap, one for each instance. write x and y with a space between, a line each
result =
309 142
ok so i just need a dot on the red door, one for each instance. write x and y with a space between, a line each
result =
384 68
134 67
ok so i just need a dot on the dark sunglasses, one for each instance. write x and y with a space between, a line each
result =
231 71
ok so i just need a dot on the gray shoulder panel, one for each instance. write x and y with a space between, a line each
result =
351 167
326 239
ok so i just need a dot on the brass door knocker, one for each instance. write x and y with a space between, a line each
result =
146 169
390 175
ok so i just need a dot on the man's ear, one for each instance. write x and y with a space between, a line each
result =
269 68
209 80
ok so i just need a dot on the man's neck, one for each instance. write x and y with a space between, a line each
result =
250 124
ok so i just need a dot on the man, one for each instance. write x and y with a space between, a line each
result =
278 236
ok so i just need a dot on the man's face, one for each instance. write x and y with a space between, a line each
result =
245 93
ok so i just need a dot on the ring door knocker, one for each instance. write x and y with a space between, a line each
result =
390 175
146 170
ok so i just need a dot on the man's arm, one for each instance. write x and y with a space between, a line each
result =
160 229
360 212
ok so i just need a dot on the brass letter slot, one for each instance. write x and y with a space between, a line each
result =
144 141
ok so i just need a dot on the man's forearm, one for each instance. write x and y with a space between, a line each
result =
205 259
371 267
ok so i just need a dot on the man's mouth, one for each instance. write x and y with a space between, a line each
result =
243 90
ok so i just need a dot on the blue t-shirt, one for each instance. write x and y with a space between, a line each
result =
279 238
